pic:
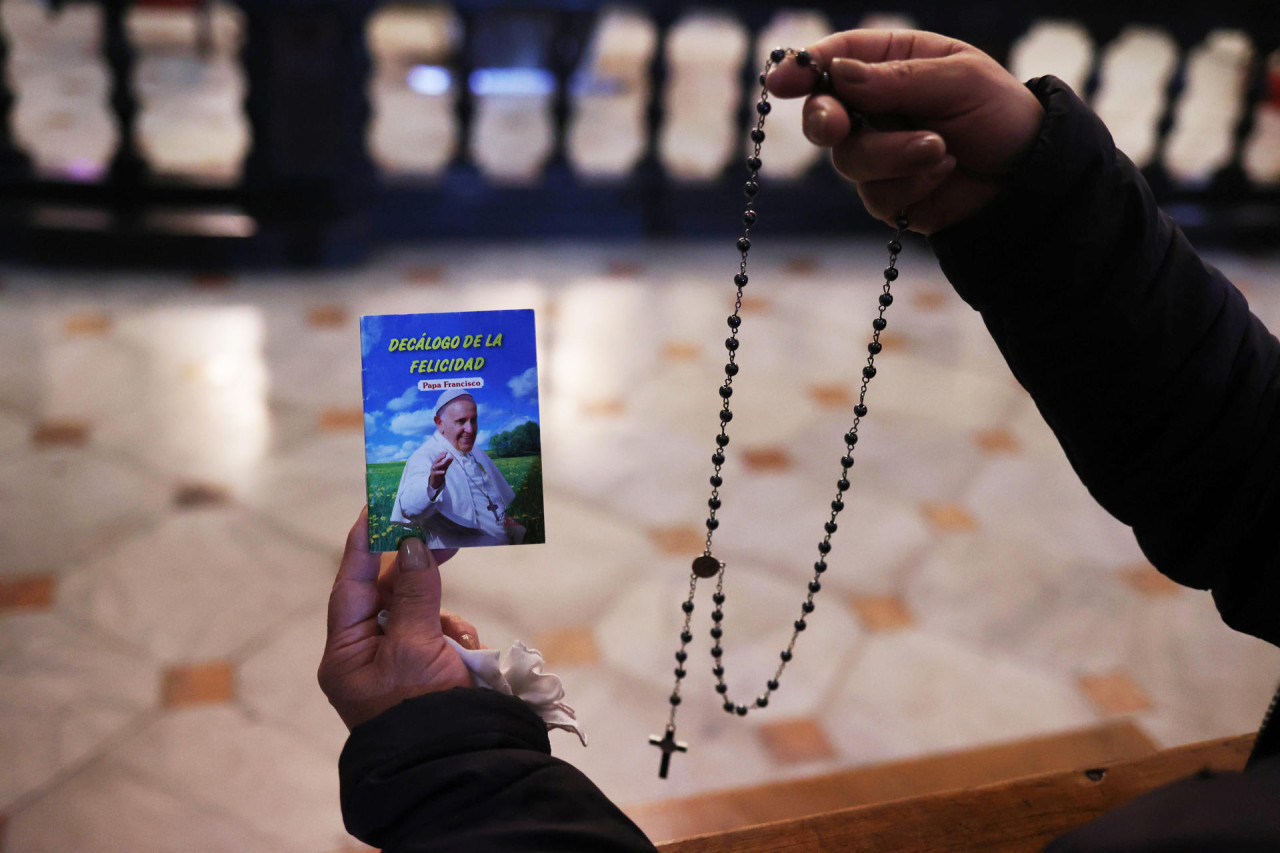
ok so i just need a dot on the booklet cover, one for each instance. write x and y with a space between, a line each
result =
452 448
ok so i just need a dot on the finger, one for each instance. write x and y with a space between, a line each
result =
789 80
386 579
886 199
825 120
460 630
874 155
415 602
355 590
930 89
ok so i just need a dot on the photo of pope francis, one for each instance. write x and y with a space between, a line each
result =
452 488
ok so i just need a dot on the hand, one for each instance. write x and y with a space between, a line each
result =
970 121
364 670
438 467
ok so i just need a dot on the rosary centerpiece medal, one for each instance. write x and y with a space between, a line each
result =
706 565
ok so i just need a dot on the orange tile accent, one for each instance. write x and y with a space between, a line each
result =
800 265
680 540
606 408
60 433
33 592
996 440
765 459
624 269
327 316
570 646
426 274
928 300
200 495
794 741
882 613
756 305
951 518
198 684
87 324
341 419
1144 578
831 396
890 342
680 351
1115 693
211 280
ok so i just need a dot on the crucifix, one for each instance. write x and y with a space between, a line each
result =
668 744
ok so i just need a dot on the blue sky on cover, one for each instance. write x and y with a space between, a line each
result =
398 416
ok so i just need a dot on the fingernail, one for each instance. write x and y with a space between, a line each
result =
845 70
815 121
413 554
469 642
928 147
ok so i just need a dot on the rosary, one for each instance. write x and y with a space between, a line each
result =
706 565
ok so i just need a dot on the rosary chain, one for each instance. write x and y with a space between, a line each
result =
751 188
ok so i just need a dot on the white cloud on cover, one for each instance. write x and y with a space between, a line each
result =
392 452
526 384
420 423
405 400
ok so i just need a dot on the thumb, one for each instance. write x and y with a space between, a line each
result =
415 599
932 88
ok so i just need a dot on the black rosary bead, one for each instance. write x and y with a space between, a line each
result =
714 503
886 299
725 390
675 698
846 462
830 527
869 372
731 344
728 706
742 710
823 85
717 458
718 598
874 347
757 136
716 651
717 615
837 505
686 637
754 164
687 607
717 632
712 524
801 624
725 416
842 484
771 684
824 548
901 223
894 247
762 78
860 410
890 274
785 656
750 189
777 55
762 701
749 218
879 323
682 656
803 58
716 481
734 321
850 438
814 586
807 607
763 107
718 672
722 688
680 673
744 244
730 369
722 439
820 566
740 279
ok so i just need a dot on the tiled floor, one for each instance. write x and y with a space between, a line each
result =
181 456
179 466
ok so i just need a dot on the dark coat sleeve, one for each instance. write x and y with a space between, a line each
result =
471 771
1159 383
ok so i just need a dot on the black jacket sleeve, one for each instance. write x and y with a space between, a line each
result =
1159 383
470 771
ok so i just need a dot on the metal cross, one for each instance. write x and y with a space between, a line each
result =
668 744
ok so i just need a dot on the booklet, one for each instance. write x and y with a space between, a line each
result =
452 447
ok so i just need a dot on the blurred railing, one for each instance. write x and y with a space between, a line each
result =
526 87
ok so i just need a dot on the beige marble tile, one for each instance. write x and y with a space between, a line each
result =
314 489
255 772
107 808
199 586
64 693
62 506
